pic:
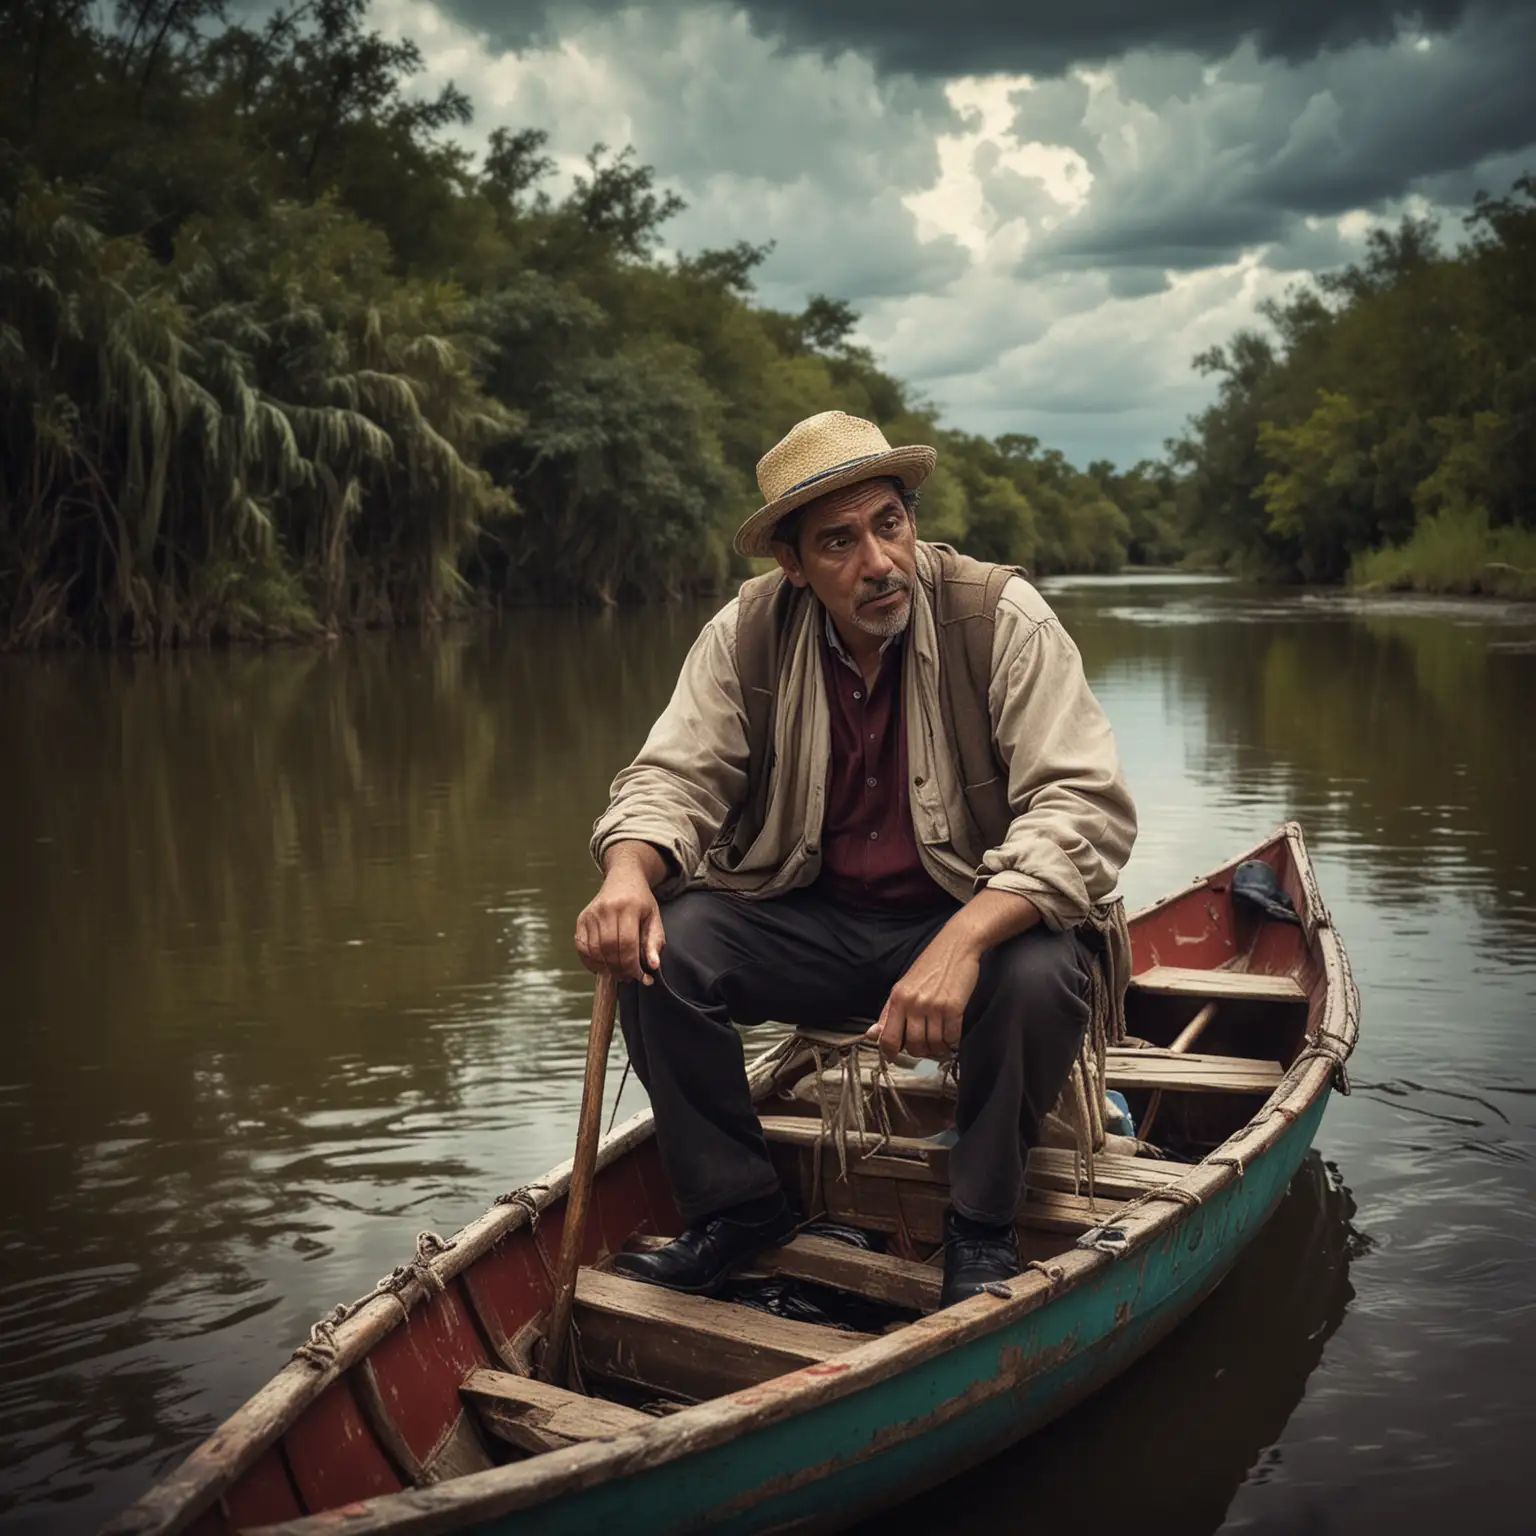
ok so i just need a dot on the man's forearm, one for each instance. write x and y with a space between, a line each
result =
989 918
645 859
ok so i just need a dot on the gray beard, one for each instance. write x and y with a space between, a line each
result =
884 625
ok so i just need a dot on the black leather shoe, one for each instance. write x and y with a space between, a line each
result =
975 1256
701 1258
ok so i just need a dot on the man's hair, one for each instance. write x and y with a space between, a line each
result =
787 529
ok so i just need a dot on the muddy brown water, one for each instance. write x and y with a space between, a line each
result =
287 978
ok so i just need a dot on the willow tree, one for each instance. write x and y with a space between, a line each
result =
207 449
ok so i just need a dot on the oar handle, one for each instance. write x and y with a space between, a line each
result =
579 1196
1186 1038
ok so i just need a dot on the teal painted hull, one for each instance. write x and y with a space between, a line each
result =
847 1457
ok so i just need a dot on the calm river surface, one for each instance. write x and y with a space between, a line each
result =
288 977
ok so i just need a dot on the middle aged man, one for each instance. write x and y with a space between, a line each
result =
882 787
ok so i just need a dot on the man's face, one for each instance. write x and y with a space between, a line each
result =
858 554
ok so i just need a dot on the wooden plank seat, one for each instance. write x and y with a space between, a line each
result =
1147 1068
1218 986
914 1157
535 1416
690 1346
1186 1072
911 1157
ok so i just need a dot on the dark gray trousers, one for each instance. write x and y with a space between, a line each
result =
802 959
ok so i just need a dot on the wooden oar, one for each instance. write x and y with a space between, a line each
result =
1186 1038
579 1195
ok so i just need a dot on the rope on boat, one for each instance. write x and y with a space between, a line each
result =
1113 1240
320 1348
1222 1160
849 1112
1322 1046
523 1195
1054 1273
1110 1240
1174 1192
1317 914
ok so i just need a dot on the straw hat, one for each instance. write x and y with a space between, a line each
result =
824 453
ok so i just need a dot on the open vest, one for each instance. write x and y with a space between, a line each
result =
964 595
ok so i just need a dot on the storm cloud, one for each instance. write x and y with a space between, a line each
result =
1040 212
968 37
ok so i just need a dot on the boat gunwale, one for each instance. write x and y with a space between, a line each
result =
518 1485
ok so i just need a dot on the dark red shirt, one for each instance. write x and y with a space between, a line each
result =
869 854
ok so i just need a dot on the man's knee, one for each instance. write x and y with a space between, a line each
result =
698 926
1042 972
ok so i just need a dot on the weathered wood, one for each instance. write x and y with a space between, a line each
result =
690 1346
1146 1068
589 1131
1183 1042
890 1205
879 1276
1248 986
176 1500
1186 1037
915 1209
536 1416
1118 1178
492 1496
1049 1210
803 1131
1190 1073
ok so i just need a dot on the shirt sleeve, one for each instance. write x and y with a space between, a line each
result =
1074 822
692 771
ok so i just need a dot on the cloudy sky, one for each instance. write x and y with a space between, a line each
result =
1040 211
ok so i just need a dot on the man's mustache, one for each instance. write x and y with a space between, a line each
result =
872 591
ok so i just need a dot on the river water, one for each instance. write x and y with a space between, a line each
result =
287 977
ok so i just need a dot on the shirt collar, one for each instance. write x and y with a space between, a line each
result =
839 650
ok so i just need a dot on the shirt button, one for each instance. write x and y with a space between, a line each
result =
874 837
918 781
857 694
871 781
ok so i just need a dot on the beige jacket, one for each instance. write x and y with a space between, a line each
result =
1073 820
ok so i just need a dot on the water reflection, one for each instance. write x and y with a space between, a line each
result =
286 944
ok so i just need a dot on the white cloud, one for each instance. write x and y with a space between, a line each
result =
1033 254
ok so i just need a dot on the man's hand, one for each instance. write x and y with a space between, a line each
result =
926 1009
619 932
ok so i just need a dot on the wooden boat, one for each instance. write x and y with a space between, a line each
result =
418 1410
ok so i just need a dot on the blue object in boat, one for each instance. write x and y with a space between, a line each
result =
1125 1125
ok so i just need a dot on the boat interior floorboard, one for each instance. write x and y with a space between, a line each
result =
690 1346
535 1416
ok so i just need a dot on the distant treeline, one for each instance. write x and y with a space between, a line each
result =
277 356
1388 434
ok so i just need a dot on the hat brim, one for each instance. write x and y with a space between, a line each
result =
910 465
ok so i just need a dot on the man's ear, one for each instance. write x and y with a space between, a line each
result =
789 563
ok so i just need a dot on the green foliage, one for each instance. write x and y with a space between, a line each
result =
1454 550
278 359
1389 430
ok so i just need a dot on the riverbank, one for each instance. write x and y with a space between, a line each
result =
1450 554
